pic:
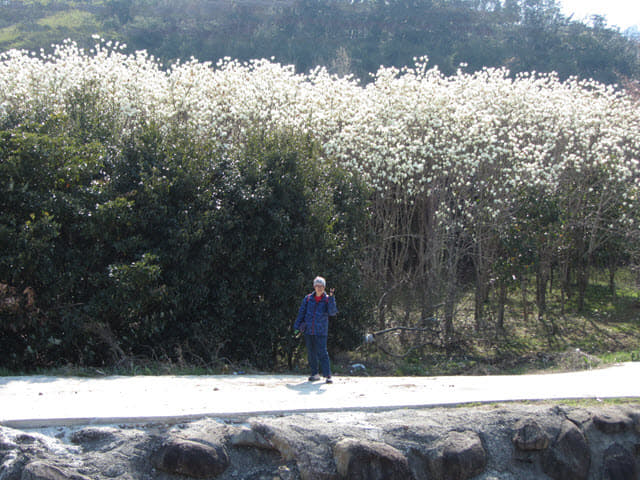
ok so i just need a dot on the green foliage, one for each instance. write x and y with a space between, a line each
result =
159 250
45 197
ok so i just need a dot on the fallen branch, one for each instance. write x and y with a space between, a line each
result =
371 338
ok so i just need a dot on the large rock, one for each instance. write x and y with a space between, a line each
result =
457 456
248 437
285 441
366 460
530 437
612 421
619 464
307 445
569 457
192 459
90 435
43 471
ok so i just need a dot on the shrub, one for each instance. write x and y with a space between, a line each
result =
163 251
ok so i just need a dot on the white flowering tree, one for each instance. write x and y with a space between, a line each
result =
480 182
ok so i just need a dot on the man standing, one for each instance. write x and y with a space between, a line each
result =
313 321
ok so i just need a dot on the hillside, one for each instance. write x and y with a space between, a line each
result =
346 37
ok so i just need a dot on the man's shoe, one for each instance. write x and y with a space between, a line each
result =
314 378
329 380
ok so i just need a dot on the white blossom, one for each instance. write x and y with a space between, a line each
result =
411 128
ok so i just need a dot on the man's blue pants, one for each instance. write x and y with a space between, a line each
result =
317 354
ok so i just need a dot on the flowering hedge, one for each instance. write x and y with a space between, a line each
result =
480 176
409 127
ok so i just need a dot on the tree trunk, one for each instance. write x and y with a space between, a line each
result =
502 300
582 271
612 281
481 295
523 289
583 282
542 278
449 306
565 292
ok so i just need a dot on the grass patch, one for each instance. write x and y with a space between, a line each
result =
70 19
569 402
9 34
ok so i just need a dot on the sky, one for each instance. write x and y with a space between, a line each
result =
621 13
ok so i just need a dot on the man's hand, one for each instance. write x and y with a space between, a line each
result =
332 291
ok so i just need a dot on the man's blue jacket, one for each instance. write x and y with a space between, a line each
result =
313 317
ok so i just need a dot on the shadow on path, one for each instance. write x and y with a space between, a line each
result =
307 388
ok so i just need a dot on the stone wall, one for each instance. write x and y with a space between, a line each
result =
504 441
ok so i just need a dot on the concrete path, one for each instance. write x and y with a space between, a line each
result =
39 401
